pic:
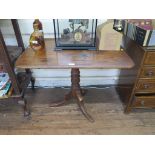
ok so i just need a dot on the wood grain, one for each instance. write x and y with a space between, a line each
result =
50 59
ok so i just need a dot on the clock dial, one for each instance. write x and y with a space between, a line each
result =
78 36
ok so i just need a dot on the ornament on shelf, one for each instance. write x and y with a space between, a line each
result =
37 37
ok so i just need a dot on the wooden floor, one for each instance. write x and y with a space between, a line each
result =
103 104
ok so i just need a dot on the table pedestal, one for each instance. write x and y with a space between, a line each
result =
75 92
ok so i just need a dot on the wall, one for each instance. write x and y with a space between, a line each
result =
61 77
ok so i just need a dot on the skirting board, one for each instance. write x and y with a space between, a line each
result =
61 82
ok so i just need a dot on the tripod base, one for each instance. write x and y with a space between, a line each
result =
75 92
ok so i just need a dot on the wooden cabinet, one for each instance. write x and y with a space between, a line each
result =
142 92
19 81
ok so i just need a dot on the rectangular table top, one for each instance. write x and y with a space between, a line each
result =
51 59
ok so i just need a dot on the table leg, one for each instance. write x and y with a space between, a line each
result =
62 102
82 106
75 92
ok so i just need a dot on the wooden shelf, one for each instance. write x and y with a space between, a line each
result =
19 82
24 80
14 52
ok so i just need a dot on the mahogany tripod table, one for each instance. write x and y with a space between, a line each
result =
74 60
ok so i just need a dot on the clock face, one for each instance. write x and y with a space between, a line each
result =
78 36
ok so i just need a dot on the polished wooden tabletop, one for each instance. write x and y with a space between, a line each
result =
50 59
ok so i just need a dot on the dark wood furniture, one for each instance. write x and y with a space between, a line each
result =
74 60
19 82
142 93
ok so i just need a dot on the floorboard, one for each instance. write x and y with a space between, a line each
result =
103 104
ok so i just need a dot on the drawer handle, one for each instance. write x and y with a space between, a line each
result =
146 86
150 73
142 103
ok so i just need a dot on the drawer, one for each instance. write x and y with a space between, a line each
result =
147 72
150 58
146 85
144 101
